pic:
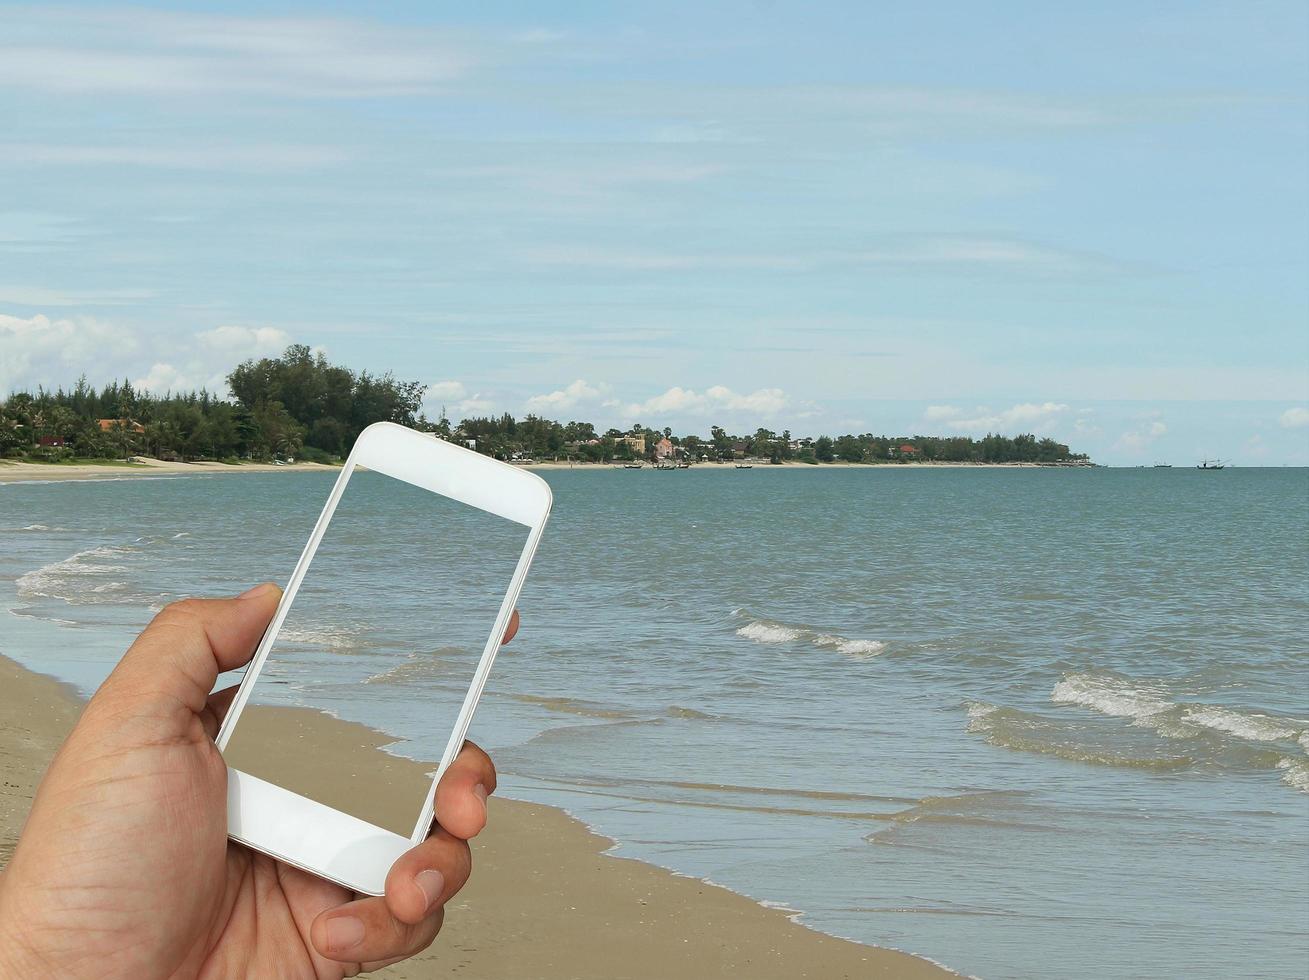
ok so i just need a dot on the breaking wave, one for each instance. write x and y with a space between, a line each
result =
771 631
81 578
1024 731
1147 705
1161 732
332 637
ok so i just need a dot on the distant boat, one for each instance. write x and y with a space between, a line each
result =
632 466
1215 464
745 466
683 466
1163 466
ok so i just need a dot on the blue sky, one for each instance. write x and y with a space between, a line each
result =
1089 223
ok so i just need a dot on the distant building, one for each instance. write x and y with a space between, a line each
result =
52 442
109 425
908 451
663 448
635 443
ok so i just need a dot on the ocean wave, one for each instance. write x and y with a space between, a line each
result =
769 633
1111 695
1024 731
1295 773
773 632
332 637
691 714
34 527
74 579
435 667
1147 705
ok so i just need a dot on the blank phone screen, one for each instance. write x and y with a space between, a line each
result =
378 648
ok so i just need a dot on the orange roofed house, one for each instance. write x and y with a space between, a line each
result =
109 425
663 448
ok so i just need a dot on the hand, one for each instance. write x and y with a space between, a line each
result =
124 868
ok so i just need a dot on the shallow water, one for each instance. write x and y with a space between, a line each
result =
1025 722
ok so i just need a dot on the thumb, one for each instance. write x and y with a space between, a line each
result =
180 654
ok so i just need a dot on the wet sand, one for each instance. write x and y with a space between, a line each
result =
544 902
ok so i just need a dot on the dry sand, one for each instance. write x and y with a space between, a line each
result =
12 471
544 902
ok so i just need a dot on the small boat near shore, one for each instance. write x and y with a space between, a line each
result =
633 466
745 466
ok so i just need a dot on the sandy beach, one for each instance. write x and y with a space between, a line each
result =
544 901
12 471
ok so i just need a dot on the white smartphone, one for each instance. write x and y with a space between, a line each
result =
399 584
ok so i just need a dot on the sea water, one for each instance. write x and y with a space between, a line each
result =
1029 723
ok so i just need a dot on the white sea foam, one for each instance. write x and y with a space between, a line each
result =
74 579
1295 773
181 534
851 648
769 633
332 637
1111 696
1248 725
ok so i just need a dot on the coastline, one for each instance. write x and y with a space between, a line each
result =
545 899
12 471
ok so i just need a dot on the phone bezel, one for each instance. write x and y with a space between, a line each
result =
311 835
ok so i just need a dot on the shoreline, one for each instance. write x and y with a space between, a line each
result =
13 471
544 888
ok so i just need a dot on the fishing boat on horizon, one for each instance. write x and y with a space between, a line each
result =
1211 464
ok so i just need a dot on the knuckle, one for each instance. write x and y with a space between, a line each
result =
180 611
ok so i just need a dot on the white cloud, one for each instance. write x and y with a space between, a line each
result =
1136 440
577 393
40 296
1038 418
1294 418
1008 255
242 342
477 405
254 157
446 391
38 350
161 54
678 401
608 258
939 413
163 378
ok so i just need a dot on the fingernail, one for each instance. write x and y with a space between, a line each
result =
431 883
344 932
258 590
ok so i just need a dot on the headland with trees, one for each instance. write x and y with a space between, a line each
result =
300 406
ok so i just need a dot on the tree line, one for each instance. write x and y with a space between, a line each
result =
299 406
